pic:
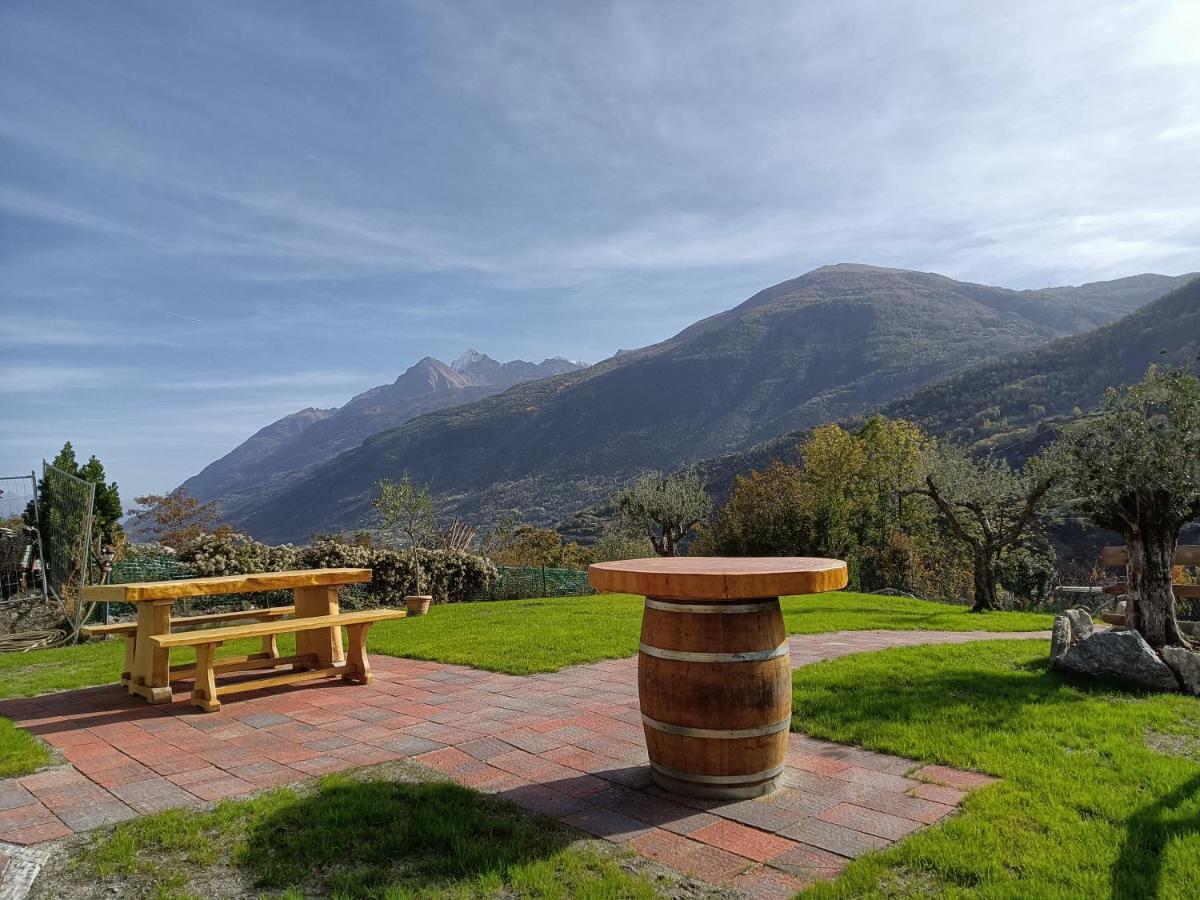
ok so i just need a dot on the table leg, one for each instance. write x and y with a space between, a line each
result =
326 643
152 664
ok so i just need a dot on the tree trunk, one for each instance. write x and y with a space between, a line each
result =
985 582
1150 603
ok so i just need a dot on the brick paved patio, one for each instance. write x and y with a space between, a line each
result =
568 744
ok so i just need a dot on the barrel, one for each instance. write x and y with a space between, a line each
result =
714 680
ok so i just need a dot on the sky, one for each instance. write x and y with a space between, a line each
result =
213 214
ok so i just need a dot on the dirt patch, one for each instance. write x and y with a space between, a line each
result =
1186 746
906 882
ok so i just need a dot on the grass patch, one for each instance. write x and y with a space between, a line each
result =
86 665
520 637
20 752
354 837
1087 806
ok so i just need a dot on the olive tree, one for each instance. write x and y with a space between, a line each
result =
664 508
407 509
1134 468
986 505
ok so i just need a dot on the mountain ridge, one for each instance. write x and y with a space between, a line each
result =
280 452
833 343
1007 393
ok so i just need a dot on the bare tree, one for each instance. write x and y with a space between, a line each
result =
987 506
664 508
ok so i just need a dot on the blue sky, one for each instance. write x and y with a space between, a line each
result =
213 214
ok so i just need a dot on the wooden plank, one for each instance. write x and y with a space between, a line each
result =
228 664
719 578
1185 555
1182 591
204 691
1114 556
267 612
326 645
277 680
287 626
246 615
225 584
151 662
114 628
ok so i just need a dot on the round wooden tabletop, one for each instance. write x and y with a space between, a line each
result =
719 577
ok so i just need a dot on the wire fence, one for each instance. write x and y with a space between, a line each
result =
66 526
517 582
20 556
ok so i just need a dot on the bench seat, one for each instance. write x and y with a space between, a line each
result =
206 693
128 630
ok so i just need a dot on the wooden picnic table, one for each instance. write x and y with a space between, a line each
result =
714 668
149 670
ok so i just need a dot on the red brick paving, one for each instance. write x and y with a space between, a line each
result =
567 744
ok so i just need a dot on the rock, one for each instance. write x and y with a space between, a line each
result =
1060 639
1081 624
1186 666
1121 655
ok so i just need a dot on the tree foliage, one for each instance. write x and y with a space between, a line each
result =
176 518
106 507
769 513
406 511
987 506
666 508
1134 467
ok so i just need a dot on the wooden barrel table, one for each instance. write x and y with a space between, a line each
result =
714 670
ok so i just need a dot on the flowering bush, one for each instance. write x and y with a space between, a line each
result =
449 575
236 554
330 554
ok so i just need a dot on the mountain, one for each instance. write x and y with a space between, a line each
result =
836 342
1010 406
283 451
1004 405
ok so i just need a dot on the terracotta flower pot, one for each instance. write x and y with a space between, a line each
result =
418 604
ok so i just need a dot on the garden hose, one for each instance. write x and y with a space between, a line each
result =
23 641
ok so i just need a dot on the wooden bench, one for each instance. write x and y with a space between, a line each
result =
206 693
128 630
1118 557
314 591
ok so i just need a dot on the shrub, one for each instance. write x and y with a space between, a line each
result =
327 553
235 554
451 576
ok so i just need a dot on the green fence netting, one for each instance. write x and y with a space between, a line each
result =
511 583
517 582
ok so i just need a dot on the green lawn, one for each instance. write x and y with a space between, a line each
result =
1100 794
20 752
524 636
353 836
514 636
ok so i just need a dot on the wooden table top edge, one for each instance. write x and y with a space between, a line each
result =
720 578
144 591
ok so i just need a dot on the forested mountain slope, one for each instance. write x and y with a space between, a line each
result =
831 344
1011 406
